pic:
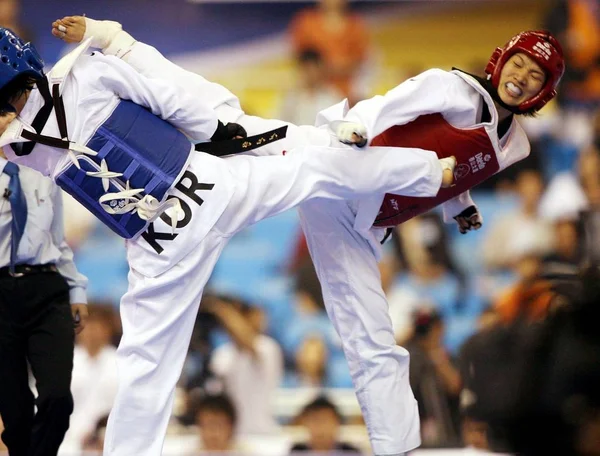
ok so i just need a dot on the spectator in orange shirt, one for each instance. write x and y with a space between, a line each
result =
528 300
10 10
577 24
338 35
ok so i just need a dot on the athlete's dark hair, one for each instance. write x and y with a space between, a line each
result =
13 91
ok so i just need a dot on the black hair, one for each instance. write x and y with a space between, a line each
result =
13 90
322 402
307 281
218 403
424 321
95 437
310 56
537 385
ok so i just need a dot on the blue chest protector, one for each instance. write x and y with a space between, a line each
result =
149 153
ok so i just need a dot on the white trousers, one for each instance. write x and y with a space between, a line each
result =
358 308
158 312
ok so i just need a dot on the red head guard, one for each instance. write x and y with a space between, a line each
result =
542 47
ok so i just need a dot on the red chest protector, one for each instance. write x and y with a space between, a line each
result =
475 155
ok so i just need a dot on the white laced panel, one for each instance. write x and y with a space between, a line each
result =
129 199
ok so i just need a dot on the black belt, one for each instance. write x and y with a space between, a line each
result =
27 269
236 146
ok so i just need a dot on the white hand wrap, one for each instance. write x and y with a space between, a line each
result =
109 36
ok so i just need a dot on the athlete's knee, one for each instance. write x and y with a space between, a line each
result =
376 356
379 342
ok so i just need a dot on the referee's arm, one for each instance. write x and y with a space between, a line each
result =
66 267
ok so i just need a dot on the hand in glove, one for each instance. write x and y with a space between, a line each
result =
228 131
352 133
469 219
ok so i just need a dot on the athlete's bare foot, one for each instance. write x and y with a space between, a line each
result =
448 164
70 29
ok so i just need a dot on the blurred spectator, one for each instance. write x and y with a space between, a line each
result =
217 418
474 433
322 420
576 24
2 446
529 298
521 229
402 301
309 298
567 249
423 249
590 182
566 213
589 166
476 370
94 382
313 92
423 246
474 430
536 385
300 254
487 319
79 222
251 365
197 374
572 203
435 381
563 199
568 129
338 35
310 363
591 217
310 341
94 442
9 18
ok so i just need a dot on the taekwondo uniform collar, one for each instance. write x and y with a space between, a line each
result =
59 72
503 126
516 145
55 78
491 126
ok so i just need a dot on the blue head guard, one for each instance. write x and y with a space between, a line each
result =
17 58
